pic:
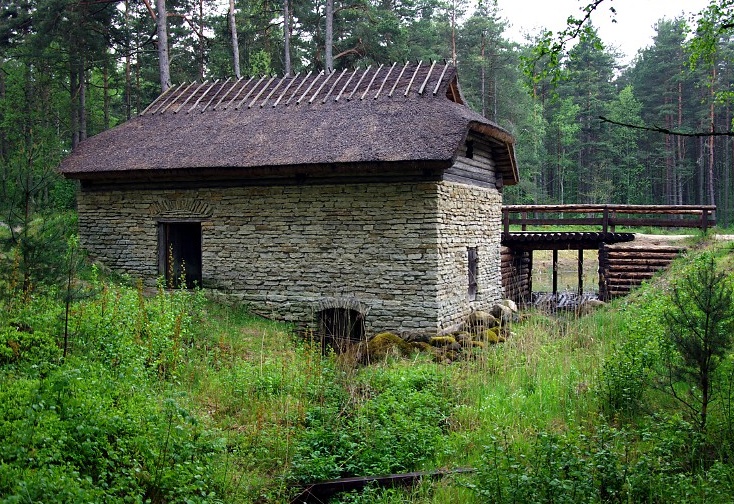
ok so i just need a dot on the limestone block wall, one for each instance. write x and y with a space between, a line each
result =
291 250
469 216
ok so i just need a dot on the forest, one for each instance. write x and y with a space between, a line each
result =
72 68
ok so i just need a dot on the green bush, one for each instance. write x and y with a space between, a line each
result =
395 423
85 433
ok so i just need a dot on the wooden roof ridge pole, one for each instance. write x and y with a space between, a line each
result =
298 101
300 85
238 93
331 89
316 93
385 80
206 91
346 84
389 95
191 95
254 87
234 85
425 81
272 91
173 99
282 93
415 72
440 79
257 96
371 81
214 96
358 83
158 98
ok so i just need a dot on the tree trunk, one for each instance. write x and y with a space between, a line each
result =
235 42
82 102
286 39
712 119
200 34
74 105
484 86
328 56
453 31
163 64
3 141
106 91
128 84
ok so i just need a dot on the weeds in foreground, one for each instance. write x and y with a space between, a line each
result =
174 398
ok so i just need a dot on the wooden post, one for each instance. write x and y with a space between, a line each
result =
704 220
605 220
581 272
506 220
614 216
530 277
524 216
555 272
603 268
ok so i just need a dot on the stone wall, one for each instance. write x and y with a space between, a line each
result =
288 251
397 252
469 216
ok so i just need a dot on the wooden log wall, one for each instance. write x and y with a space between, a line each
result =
623 267
517 269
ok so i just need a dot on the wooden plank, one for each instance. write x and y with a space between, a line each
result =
618 208
318 492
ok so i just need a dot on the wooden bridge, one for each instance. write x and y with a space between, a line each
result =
622 263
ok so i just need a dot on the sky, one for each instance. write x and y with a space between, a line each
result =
633 30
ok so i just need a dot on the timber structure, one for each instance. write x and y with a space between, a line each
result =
623 264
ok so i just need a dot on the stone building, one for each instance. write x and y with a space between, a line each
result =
357 201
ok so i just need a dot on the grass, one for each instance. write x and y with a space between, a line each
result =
260 410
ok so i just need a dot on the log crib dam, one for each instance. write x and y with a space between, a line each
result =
623 263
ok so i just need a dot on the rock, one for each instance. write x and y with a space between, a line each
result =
381 345
589 306
510 304
417 337
447 343
463 338
482 319
503 313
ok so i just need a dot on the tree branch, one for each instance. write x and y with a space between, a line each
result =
666 131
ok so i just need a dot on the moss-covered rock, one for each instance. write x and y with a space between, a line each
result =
421 346
482 319
463 338
448 342
384 344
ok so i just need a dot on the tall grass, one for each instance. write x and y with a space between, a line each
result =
240 409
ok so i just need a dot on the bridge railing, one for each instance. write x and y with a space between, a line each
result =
607 217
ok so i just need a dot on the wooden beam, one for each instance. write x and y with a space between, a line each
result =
581 272
555 272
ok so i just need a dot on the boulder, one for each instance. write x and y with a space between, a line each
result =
383 344
482 319
503 313
589 306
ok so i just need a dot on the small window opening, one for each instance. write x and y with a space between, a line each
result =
470 149
340 328
473 257
179 253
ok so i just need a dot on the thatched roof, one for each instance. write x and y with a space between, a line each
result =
410 113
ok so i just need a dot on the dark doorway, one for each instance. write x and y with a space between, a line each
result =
179 253
340 328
